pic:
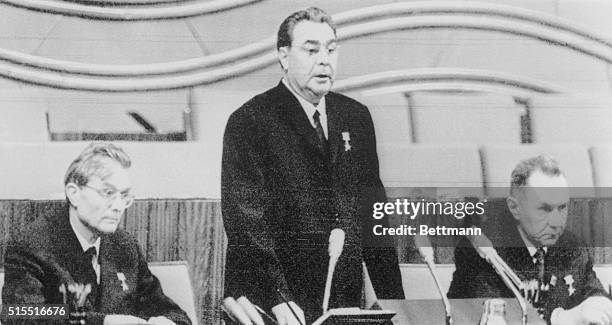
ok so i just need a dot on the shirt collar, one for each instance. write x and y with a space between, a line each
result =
85 245
308 107
530 246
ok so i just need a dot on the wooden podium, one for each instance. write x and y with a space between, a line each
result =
422 312
347 316
464 312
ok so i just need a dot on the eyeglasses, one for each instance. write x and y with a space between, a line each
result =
111 194
313 49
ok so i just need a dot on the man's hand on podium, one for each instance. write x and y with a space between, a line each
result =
594 310
285 316
242 311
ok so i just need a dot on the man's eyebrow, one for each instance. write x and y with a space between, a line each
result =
545 205
108 185
312 42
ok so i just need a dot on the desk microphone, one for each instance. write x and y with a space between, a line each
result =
424 247
336 244
485 249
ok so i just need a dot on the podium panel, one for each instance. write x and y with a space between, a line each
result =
464 312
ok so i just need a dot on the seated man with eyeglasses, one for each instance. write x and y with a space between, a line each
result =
80 250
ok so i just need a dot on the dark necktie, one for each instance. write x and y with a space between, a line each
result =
320 133
90 274
541 293
539 257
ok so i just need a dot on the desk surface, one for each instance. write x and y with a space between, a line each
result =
464 312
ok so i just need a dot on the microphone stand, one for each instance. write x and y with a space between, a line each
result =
424 247
447 306
328 282
485 249
336 244
509 272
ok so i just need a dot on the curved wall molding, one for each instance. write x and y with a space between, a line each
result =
455 15
409 80
450 86
259 55
115 70
124 2
142 12
472 8
99 84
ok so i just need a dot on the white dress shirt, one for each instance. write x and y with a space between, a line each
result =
530 246
310 109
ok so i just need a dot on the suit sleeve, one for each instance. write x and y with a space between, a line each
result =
252 265
473 276
380 257
589 285
150 298
23 282
580 264
592 285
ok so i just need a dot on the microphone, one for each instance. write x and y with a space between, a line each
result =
336 244
426 251
485 249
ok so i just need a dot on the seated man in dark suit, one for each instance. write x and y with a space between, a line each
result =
82 245
536 246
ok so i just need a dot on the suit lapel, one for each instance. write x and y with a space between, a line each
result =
106 271
516 254
333 127
71 256
111 288
559 264
69 251
293 113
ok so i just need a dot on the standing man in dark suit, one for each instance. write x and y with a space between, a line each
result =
536 246
299 161
82 245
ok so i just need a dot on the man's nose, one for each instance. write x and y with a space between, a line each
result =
557 219
117 203
323 57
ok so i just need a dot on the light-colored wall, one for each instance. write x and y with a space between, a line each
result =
111 42
159 170
120 43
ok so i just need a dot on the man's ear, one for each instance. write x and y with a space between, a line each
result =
514 207
72 191
283 54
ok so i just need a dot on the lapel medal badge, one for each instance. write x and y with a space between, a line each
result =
121 278
569 280
76 295
346 136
